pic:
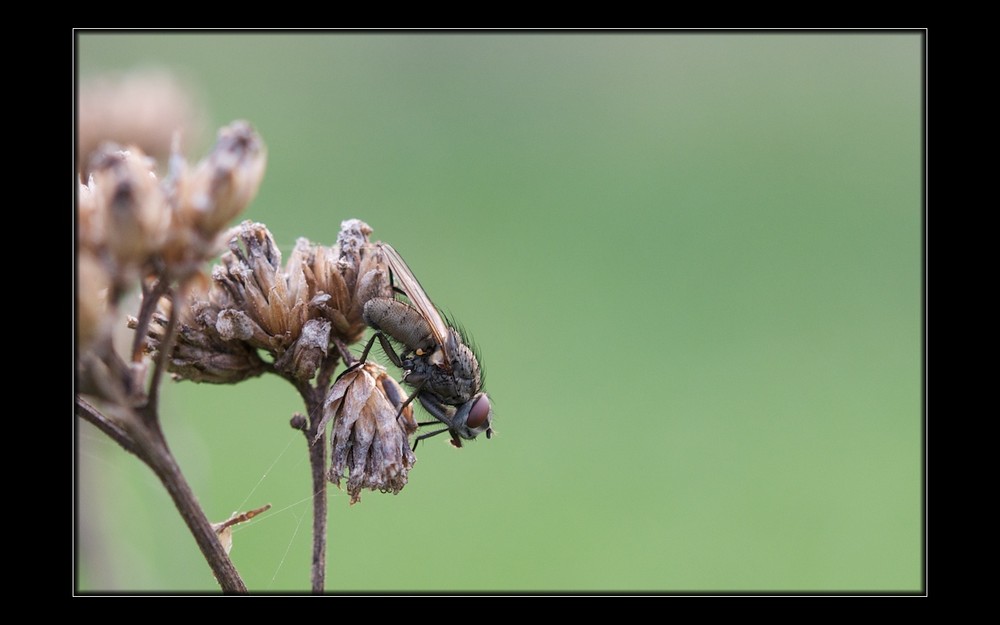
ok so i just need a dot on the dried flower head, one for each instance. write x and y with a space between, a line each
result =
210 194
122 208
338 281
206 197
266 311
369 444
137 225
89 218
207 348
293 312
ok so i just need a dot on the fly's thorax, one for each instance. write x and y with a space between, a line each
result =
438 381
454 382
400 321
464 364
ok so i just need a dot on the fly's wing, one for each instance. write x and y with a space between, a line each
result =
408 282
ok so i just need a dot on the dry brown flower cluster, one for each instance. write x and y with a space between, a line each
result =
293 312
254 314
135 228
133 225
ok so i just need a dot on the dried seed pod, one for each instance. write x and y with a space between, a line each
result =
369 444
206 197
252 277
132 218
90 233
347 277
219 187
201 352
307 354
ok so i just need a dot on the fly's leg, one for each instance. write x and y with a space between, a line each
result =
396 360
440 412
386 347
429 434
408 401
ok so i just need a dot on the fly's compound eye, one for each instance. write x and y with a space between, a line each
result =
480 414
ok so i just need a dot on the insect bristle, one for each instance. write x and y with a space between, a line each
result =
453 323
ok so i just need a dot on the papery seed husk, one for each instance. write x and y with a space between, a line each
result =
308 352
235 325
298 271
347 390
214 367
133 209
221 185
368 443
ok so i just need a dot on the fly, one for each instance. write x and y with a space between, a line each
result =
443 371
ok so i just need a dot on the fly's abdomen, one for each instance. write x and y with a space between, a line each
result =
400 321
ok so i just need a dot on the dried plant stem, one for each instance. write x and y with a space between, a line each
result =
139 433
316 440
163 464
160 363
89 413
146 442
317 460
150 300
313 398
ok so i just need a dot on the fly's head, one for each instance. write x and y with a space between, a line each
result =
466 421
473 418
449 385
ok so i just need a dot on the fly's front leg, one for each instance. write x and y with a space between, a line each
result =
440 412
428 435
409 400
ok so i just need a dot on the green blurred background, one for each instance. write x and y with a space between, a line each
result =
692 263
